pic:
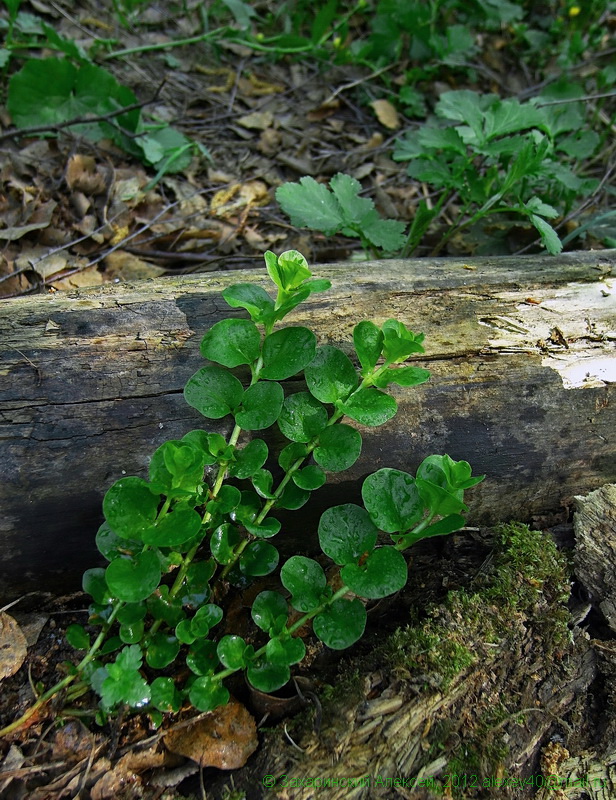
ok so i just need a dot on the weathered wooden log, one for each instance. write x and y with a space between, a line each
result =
520 349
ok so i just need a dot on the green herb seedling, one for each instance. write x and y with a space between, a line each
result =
177 545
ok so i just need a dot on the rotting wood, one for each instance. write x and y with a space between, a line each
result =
521 352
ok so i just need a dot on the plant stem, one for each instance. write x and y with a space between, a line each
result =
44 698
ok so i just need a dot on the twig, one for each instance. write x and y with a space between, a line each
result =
359 81
85 120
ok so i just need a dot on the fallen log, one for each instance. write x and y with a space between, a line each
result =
520 349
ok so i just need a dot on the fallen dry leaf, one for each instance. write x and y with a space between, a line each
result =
227 202
37 218
13 647
224 739
258 120
386 114
128 267
83 175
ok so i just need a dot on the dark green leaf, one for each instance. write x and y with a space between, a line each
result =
289 455
263 481
292 497
131 612
249 459
94 584
202 658
330 376
165 696
132 633
162 650
259 558
265 530
173 529
306 581
233 652
207 617
112 545
346 533
310 204
268 677
339 447
164 607
197 588
285 651
309 478
77 637
383 573
270 611
392 500
214 392
368 341
341 624
184 632
207 693
232 342
133 579
399 341
286 352
370 407
130 507
260 406
302 417
223 542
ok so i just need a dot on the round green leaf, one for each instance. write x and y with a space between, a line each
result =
178 464
370 407
368 341
249 459
206 618
259 558
162 650
392 500
132 632
135 578
161 606
131 613
184 632
94 584
207 693
293 497
285 651
260 406
286 352
130 507
330 376
268 528
178 525
77 637
269 609
302 417
346 532
197 582
339 447
202 658
267 677
341 624
383 573
232 342
306 581
291 453
223 542
214 392
263 481
111 545
309 478
233 652
164 695
253 298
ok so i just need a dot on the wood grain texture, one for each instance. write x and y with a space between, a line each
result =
521 352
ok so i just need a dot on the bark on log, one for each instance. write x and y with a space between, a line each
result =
520 349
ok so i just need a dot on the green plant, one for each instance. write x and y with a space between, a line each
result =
176 543
312 205
501 157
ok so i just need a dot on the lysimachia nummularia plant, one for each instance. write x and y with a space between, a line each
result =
205 519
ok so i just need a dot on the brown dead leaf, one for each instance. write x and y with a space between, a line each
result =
324 111
225 738
129 267
258 120
45 265
85 277
34 219
386 114
13 647
227 202
83 175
